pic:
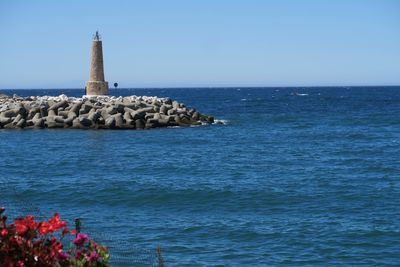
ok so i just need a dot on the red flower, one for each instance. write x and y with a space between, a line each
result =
20 227
18 240
56 222
30 222
23 225
26 243
44 228
56 246
3 232
52 225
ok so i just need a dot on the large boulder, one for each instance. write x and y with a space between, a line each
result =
86 122
139 124
119 122
55 106
110 122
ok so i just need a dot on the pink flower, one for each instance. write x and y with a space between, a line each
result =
93 257
80 239
63 256
78 254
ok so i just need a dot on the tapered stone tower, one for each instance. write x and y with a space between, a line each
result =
96 84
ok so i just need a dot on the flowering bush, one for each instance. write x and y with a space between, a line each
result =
31 243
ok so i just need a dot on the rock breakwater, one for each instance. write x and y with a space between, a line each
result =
96 112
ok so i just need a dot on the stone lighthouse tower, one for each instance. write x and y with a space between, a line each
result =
96 84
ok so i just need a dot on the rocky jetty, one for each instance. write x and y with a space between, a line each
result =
96 112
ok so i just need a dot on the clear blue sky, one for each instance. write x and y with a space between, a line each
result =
46 44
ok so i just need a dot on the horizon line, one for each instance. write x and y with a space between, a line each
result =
205 87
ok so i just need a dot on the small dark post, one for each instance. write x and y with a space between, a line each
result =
160 259
77 225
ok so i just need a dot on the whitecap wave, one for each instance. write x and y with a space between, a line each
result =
224 122
299 94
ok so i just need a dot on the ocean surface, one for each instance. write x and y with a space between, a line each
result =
296 176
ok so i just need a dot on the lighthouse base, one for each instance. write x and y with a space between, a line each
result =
96 88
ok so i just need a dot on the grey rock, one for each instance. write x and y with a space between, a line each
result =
51 113
112 110
39 123
119 106
156 116
136 115
43 111
51 123
32 112
10 113
210 119
196 116
168 101
175 104
104 113
139 123
119 123
94 115
128 110
85 121
163 109
17 119
149 125
76 107
63 113
29 123
59 119
37 116
10 126
185 120
4 120
55 106
70 118
77 124
171 111
149 116
146 110
110 122
128 118
21 123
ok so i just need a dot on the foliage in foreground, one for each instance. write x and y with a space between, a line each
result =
30 243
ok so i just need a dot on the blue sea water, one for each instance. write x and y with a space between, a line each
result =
297 176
